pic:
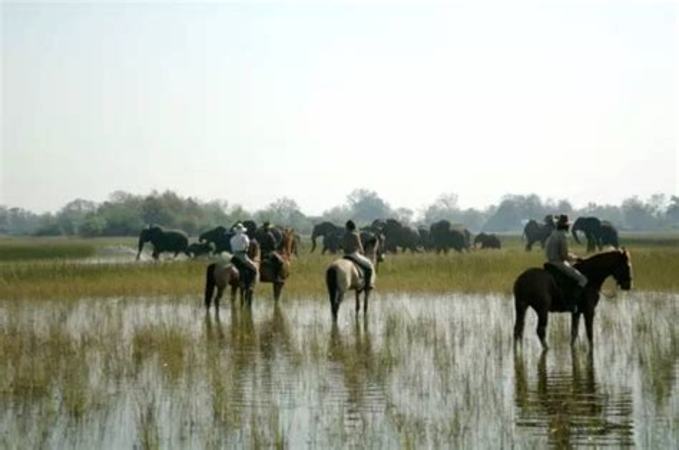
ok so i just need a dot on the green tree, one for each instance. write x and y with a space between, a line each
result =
366 206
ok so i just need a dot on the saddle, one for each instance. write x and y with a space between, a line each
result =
568 289
359 268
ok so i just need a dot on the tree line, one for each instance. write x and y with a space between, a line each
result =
125 214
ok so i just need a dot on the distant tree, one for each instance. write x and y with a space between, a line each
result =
337 215
366 206
404 215
672 212
285 212
92 225
444 208
638 215
18 221
72 215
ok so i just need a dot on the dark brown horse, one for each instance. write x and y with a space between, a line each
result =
540 290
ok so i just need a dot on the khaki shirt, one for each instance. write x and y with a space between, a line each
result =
351 243
556 249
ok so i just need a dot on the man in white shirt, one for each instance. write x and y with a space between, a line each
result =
239 246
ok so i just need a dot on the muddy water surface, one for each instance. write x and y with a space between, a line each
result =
420 371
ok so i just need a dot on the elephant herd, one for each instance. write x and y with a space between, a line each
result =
599 233
213 241
441 236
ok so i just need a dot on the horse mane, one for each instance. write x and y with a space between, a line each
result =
594 261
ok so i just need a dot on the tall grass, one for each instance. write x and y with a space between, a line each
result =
654 269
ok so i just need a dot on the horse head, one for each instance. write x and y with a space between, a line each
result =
616 263
287 243
623 271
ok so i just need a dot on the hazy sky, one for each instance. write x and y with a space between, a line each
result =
253 101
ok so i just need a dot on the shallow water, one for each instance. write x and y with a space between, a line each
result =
420 371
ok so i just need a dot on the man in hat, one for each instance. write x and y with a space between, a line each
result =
558 255
239 246
353 250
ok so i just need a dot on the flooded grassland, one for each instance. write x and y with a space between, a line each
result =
420 371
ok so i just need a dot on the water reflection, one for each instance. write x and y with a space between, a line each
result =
571 408
353 374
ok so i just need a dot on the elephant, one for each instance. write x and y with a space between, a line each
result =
174 241
444 237
398 236
425 239
219 237
331 234
333 242
198 249
534 232
487 241
596 232
609 234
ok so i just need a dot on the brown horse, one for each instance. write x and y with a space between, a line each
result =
540 290
275 269
222 274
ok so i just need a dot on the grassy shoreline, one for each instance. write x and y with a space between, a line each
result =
655 265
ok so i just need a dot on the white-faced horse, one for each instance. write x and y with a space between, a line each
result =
344 275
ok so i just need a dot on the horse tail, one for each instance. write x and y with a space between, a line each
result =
333 289
209 283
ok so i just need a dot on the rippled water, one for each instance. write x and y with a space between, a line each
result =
420 371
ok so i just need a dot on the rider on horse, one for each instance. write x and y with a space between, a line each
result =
353 250
266 239
558 255
239 246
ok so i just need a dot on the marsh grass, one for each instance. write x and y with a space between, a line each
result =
421 371
655 268
40 249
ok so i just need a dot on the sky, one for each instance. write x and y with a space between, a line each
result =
253 101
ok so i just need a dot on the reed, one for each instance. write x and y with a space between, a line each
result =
654 266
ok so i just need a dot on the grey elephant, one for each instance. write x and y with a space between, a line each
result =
173 241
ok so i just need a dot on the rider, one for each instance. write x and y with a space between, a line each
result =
557 254
353 250
266 239
239 246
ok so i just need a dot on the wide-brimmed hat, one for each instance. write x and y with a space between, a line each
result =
239 228
562 221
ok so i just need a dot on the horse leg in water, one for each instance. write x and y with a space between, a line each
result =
339 296
358 301
542 327
575 325
519 321
365 301
277 288
220 291
589 322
